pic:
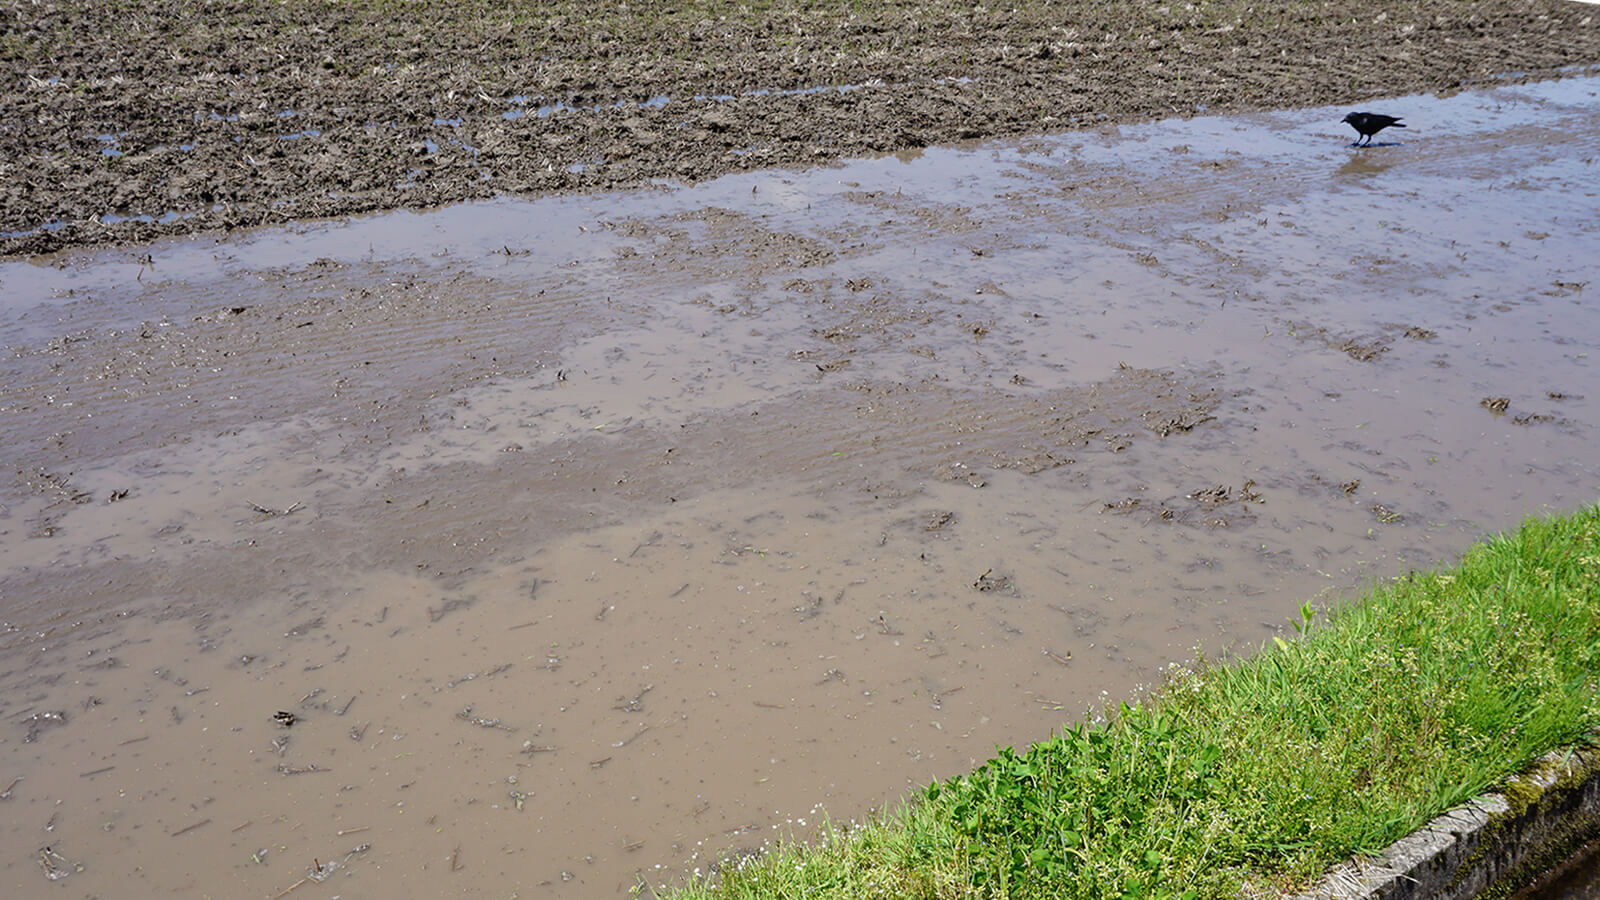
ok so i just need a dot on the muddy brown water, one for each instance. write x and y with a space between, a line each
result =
588 540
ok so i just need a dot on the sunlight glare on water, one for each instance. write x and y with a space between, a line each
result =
588 539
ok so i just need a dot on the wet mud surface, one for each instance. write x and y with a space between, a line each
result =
547 546
123 121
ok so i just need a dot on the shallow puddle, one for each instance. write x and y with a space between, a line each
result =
589 540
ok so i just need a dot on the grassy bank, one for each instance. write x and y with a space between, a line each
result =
1258 775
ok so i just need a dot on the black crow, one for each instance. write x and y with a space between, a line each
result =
1368 124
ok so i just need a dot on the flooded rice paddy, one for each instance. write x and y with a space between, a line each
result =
545 548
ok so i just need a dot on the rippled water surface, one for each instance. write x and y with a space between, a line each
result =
587 540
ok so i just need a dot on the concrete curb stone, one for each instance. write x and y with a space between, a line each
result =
1493 844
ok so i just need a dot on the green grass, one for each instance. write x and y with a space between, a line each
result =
1256 776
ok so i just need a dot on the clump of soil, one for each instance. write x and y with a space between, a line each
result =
121 122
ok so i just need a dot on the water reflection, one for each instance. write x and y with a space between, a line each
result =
586 539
